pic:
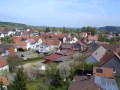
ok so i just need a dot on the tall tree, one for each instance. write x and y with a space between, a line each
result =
47 29
13 62
92 30
20 80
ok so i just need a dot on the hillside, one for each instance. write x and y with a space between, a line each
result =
115 29
11 25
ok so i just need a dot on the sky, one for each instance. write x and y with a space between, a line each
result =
61 13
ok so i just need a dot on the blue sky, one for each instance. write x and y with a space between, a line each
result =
68 13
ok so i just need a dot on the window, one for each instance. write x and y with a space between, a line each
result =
99 70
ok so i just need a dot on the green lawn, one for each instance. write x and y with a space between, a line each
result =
41 58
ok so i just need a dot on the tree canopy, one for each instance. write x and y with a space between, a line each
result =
88 29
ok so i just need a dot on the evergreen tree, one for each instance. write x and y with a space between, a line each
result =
20 80
47 29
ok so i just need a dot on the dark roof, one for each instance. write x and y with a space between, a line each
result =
91 48
77 45
82 83
5 32
5 46
17 34
66 46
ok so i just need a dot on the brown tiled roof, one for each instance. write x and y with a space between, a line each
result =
3 62
107 72
4 80
53 57
82 83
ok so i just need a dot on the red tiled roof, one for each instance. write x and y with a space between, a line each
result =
31 40
53 57
17 39
25 36
21 43
36 38
3 62
4 80
107 57
103 43
90 37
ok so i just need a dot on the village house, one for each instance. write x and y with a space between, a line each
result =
51 57
96 56
17 34
70 40
83 34
22 46
92 39
66 46
2 35
37 39
104 78
32 43
7 33
49 45
6 49
111 60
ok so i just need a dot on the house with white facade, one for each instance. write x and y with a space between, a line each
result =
49 45
70 40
